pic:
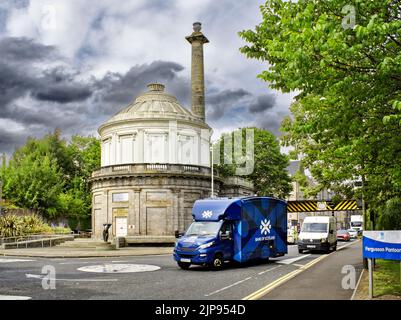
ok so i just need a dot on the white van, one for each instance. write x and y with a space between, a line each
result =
318 233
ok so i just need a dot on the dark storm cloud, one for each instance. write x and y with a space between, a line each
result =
35 92
263 103
221 103
270 121
119 89
16 50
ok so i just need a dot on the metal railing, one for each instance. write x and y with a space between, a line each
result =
29 237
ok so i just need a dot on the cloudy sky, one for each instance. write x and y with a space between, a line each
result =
71 64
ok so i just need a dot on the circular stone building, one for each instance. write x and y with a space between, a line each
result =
155 163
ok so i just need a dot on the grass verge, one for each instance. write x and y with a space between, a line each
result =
386 282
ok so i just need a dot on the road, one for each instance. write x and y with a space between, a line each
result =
22 277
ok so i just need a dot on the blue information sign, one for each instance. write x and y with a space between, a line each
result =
382 245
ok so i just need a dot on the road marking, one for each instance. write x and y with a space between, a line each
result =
14 260
119 268
271 286
357 285
297 265
230 286
268 270
291 260
347 245
82 262
41 277
4 297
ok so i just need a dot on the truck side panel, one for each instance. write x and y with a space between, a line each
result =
262 230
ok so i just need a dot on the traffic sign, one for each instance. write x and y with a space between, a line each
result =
382 245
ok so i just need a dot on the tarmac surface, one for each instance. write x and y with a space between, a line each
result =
147 274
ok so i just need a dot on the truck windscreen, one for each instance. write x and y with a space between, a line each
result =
203 228
314 227
356 224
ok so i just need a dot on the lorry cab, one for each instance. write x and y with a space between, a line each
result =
318 233
238 229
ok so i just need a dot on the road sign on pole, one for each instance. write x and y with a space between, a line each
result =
381 245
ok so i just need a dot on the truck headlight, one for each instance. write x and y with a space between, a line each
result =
206 245
324 239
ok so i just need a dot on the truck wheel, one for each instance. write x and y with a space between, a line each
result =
300 251
218 262
184 265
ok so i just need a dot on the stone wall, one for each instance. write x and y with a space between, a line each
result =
153 203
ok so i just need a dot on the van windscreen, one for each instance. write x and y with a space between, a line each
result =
203 228
314 227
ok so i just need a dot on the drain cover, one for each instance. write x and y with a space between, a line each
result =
119 268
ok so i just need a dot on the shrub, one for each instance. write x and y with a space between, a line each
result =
34 224
61 230
13 226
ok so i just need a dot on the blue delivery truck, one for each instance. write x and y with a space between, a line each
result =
233 229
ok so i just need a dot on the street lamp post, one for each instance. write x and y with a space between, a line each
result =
212 173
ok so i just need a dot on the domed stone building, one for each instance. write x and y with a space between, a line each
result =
155 162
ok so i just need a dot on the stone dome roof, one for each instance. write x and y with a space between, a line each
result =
154 104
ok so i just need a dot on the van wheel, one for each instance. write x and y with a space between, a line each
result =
184 265
217 262
300 251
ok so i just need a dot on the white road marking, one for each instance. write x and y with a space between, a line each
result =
82 262
4 297
357 285
292 260
40 276
269 270
119 268
14 260
230 286
297 265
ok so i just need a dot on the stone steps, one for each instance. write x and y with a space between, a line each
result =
88 244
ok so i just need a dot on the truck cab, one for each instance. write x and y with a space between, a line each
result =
238 229
318 233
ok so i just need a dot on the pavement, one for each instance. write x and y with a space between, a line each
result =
60 252
158 276
324 280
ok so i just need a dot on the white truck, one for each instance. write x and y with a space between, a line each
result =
357 223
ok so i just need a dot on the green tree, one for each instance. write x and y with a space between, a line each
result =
346 119
269 175
52 175
34 183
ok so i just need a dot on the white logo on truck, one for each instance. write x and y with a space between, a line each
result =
265 227
207 214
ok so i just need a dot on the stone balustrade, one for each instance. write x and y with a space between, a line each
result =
143 168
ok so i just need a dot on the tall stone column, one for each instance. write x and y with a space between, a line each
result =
197 39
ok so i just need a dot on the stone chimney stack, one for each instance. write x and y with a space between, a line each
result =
197 39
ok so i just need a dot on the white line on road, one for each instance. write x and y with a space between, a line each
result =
230 286
357 285
297 265
82 262
292 260
4 297
14 260
38 276
268 270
